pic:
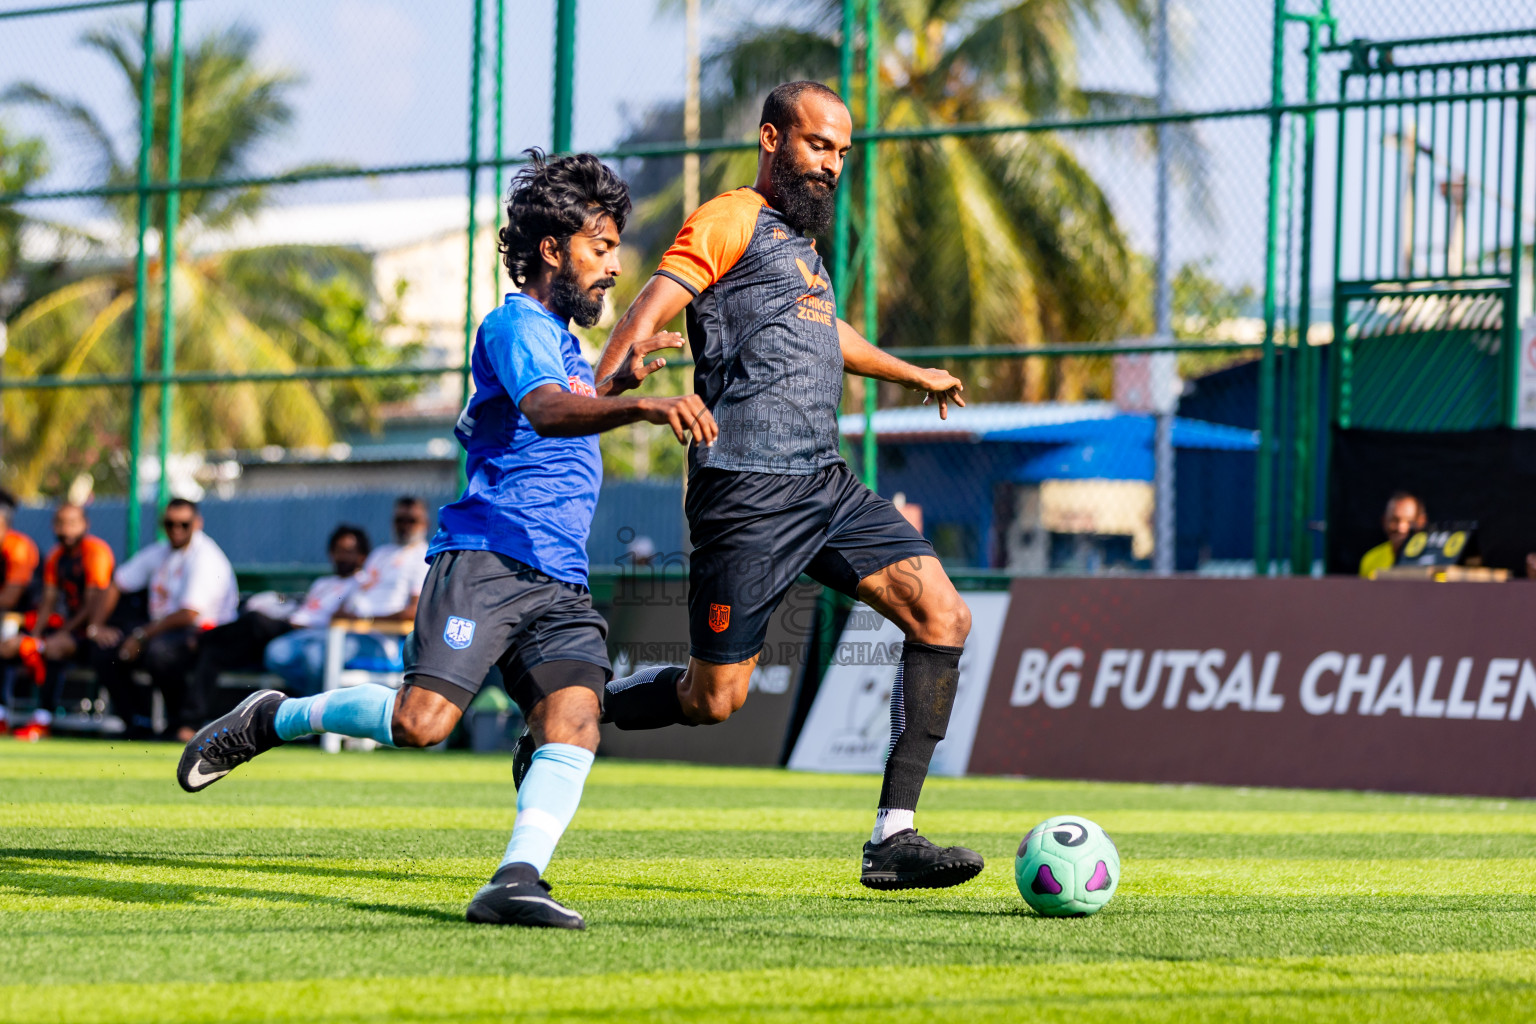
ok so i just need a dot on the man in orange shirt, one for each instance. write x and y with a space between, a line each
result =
771 497
18 565
78 571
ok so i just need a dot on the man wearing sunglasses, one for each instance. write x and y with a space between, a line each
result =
190 587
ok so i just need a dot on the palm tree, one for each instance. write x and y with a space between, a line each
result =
22 161
280 308
984 240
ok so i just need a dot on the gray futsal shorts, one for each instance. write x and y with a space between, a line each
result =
479 609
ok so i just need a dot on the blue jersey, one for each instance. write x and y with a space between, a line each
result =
529 497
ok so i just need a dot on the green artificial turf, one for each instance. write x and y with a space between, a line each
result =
308 887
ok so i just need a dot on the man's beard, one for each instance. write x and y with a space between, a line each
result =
574 302
807 207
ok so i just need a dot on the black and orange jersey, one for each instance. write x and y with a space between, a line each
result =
90 564
18 559
763 328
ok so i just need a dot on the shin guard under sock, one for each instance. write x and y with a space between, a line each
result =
365 711
546 803
646 700
921 703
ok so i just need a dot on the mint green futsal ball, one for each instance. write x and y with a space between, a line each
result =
1067 867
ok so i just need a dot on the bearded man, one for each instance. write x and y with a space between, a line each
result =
772 498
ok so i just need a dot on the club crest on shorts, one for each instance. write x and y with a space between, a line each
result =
719 617
459 633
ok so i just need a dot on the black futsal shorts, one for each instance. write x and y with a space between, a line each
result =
755 533
479 609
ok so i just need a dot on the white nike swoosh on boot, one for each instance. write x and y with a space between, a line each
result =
547 902
196 776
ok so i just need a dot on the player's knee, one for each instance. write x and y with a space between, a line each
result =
943 619
960 621
709 707
569 716
417 730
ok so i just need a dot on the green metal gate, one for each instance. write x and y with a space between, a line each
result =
1430 236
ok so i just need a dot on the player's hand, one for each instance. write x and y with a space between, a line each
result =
105 636
130 649
634 368
941 386
685 414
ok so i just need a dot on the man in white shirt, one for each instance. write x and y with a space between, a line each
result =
240 644
191 587
387 589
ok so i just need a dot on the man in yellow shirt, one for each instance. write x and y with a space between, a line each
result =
1404 517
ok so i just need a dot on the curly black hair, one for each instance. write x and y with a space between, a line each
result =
557 198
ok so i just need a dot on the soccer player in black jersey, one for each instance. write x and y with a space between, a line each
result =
772 498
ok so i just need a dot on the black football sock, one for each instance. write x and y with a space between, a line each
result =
920 705
646 700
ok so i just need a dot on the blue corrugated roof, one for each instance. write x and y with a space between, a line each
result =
1087 462
1118 448
1126 429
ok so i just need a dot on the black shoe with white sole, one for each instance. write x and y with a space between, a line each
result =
228 742
908 861
517 895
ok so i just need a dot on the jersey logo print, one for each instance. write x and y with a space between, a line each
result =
779 235
719 617
580 387
809 307
813 282
459 633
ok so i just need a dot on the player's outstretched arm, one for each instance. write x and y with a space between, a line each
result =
865 360
638 333
556 412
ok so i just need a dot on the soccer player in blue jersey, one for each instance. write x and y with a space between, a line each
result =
507 587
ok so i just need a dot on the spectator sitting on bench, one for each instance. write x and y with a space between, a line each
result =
191 588
78 569
18 565
387 590
18 560
240 644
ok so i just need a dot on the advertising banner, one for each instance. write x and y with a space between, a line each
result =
648 625
849 726
1407 686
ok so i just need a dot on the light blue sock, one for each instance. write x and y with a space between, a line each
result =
361 711
546 802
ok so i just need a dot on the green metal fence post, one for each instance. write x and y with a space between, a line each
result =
840 227
501 74
1303 473
168 256
868 243
1511 338
141 279
1263 482
565 73
474 187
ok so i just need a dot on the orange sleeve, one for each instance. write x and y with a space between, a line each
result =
712 240
20 558
98 562
51 568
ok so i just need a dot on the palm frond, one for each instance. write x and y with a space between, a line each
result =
758 58
72 112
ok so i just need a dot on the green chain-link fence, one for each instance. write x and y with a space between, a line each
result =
1110 219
